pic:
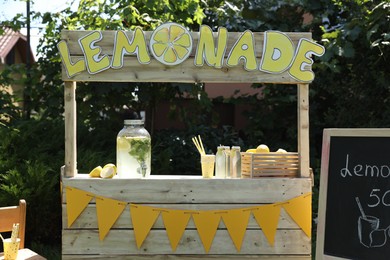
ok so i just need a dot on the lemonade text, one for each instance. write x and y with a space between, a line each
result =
172 46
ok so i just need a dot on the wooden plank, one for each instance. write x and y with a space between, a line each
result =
268 175
272 173
87 219
132 71
107 42
172 189
122 242
186 257
70 129
303 130
274 166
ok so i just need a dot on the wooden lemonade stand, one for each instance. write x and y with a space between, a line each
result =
83 239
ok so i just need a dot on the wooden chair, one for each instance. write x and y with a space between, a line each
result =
11 215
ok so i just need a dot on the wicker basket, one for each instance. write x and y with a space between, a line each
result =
256 165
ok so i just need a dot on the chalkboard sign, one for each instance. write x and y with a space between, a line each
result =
354 203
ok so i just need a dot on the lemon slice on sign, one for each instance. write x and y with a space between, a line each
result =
159 48
175 32
171 44
162 35
170 55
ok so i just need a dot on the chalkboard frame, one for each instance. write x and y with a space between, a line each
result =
326 142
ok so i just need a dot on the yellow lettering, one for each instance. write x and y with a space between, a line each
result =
301 66
122 46
243 49
206 50
71 68
278 52
95 64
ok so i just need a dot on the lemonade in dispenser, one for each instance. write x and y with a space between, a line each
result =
133 150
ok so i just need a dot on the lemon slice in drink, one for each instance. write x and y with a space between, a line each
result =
171 44
122 144
96 172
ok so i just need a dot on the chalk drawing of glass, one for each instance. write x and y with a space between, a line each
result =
370 235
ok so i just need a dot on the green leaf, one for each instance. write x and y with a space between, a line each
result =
348 50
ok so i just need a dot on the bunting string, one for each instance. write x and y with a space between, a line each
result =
236 220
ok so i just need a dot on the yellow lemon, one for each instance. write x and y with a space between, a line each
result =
251 150
262 149
96 171
171 44
110 165
108 171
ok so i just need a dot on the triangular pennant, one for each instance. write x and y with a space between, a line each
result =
206 222
143 218
107 211
267 217
236 221
175 222
76 201
299 210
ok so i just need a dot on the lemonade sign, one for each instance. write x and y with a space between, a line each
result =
171 44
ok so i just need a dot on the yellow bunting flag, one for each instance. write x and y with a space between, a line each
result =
236 221
175 222
268 217
107 211
206 222
76 201
299 210
143 218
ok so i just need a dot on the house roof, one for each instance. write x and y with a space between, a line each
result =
11 39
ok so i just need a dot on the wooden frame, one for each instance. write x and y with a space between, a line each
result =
80 241
181 73
327 135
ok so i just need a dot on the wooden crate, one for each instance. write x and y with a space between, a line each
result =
256 165
81 240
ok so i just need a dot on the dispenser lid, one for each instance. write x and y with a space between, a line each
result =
134 122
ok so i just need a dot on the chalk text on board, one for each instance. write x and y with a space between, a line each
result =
365 170
379 198
279 54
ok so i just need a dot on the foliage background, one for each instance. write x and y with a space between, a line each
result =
351 89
